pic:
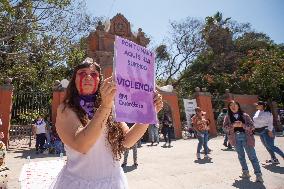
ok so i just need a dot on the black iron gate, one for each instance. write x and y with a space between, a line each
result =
26 107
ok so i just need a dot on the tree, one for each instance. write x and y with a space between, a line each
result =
267 74
219 34
184 45
36 38
230 59
252 41
214 67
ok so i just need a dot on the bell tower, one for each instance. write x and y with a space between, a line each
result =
101 41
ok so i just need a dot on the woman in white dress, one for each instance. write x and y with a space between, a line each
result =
94 142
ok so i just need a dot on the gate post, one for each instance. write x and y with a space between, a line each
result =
203 100
6 96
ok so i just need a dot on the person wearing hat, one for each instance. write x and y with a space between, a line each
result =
263 121
201 126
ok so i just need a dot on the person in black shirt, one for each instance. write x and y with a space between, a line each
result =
167 128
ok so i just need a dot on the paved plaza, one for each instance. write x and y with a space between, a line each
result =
177 167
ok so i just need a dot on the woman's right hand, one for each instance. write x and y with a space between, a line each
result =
238 124
107 90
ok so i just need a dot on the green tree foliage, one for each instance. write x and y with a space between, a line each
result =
183 45
235 58
38 40
267 73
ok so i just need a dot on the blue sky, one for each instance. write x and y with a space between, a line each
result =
153 15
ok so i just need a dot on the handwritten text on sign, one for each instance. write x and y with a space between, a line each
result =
134 76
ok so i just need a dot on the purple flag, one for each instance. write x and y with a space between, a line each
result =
134 78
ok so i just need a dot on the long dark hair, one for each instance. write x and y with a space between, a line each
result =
231 114
115 133
267 108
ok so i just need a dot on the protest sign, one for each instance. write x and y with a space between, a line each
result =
134 78
189 108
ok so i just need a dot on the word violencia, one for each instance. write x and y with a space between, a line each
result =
137 47
134 84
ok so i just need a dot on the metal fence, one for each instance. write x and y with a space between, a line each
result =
26 107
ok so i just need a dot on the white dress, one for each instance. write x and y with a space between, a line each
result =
94 170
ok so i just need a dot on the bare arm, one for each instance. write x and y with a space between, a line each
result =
34 129
133 134
73 134
70 129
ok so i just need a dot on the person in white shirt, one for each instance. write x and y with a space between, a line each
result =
263 121
39 129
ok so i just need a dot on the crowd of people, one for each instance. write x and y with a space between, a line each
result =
91 136
240 130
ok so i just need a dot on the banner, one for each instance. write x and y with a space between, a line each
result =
189 107
135 81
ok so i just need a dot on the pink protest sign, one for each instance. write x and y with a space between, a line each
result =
134 78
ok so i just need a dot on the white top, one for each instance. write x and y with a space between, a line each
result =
263 119
40 127
95 169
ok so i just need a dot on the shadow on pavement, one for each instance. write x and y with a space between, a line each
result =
129 168
228 149
274 168
203 161
25 152
248 184
166 146
150 145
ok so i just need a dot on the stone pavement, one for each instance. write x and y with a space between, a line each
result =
177 167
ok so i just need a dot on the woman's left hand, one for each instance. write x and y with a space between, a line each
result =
270 134
158 101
